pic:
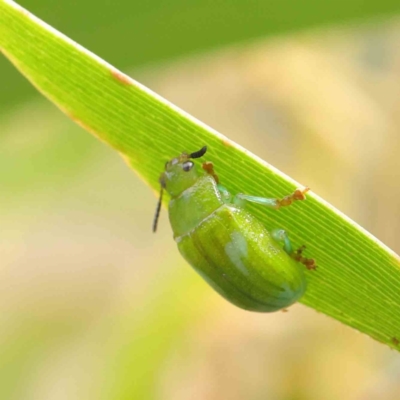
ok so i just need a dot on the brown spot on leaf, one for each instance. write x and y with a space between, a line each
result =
78 121
25 12
226 142
395 341
121 77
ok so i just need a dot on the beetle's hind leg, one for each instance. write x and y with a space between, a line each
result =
281 236
308 262
299 194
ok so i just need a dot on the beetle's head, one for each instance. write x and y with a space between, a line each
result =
179 174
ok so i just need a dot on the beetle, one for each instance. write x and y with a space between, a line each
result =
253 268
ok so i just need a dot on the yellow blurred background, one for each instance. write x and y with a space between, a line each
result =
93 305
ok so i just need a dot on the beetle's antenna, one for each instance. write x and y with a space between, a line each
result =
158 209
199 153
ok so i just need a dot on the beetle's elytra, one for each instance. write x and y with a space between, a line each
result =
251 267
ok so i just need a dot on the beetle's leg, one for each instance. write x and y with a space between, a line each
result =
308 262
209 168
299 194
281 236
226 196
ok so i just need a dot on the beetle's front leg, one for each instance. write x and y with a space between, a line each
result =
281 236
299 194
209 168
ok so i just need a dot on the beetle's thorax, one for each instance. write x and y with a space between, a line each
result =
193 205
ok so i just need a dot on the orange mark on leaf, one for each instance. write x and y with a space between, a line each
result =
78 121
121 77
25 12
227 142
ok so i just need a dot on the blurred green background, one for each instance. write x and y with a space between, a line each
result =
93 305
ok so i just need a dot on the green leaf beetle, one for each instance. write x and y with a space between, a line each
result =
253 268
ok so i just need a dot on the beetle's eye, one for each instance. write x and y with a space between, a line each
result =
187 166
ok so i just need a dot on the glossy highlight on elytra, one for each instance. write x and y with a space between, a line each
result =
253 268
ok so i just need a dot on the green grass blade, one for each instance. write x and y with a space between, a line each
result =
358 278
136 32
